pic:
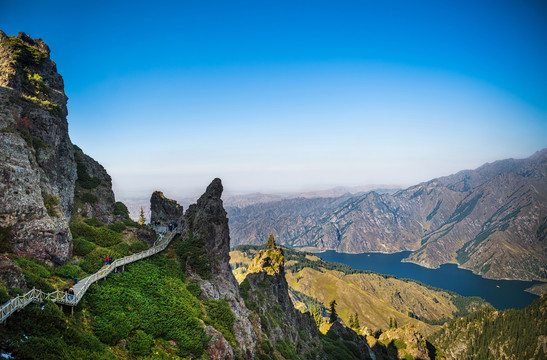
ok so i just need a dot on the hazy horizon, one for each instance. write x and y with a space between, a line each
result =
294 97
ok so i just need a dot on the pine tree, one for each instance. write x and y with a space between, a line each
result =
141 217
390 322
356 322
395 323
271 242
351 322
333 314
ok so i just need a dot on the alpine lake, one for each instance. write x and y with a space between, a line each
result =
502 294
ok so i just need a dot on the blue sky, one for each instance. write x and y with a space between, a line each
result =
293 96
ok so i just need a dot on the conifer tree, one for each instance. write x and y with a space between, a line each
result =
141 217
271 242
395 323
351 322
356 324
333 314
390 322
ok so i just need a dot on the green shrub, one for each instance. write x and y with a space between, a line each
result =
84 179
95 259
222 318
94 222
67 271
129 222
120 209
24 54
34 266
140 343
191 253
5 240
118 227
106 237
194 289
138 246
83 230
51 202
121 248
82 247
89 198
153 299
33 141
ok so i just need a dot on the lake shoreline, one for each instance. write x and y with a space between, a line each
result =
501 293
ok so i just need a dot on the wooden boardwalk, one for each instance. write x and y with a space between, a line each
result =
60 297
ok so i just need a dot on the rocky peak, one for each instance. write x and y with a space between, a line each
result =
206 236
163 210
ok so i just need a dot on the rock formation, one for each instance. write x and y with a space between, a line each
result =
206 225
164 210
266 292
39 167
36 156
93 195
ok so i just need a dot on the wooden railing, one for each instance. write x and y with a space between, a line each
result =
61 297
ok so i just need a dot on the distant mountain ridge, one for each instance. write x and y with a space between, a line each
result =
492 220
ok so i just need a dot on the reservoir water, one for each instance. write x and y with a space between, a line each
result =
502 294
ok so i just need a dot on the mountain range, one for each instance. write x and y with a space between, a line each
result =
491 220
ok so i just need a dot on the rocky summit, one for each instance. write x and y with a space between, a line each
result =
164 210
491 220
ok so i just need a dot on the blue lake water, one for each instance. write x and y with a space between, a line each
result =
502 294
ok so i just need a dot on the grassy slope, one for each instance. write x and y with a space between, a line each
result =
376 298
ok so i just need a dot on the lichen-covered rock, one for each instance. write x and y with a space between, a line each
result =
219 348
164 210
11 274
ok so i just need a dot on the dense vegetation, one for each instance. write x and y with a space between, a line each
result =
149 311
491 334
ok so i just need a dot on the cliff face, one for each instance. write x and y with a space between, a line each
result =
491 220
41 177
93 195
37 158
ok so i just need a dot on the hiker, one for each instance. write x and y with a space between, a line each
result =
71 294
65 290
110 258
75 280
106 260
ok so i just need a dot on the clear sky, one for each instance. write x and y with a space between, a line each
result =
294 95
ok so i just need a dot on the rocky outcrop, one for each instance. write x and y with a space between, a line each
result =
38 167
146 234
280 323
93 195
206 224
164 210
492 220
36 156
